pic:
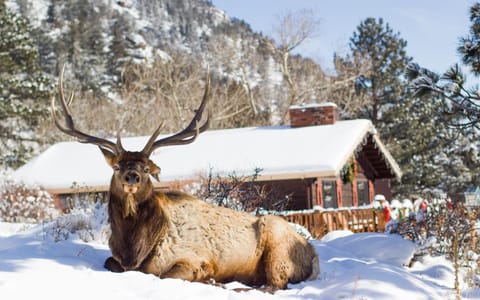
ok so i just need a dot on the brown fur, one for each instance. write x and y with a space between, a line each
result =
175 235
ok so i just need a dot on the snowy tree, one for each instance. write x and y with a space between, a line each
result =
85 43
464 101
118 55
469 46
433 156
383 52
461 109
24 90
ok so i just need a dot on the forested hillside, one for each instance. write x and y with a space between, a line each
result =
133 63
139 57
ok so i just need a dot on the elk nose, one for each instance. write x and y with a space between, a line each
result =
132 178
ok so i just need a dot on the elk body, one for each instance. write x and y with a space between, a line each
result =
175 235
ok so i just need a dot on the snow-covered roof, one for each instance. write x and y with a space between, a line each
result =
281 152
312 105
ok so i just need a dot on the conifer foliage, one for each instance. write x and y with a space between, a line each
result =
378 46
463 101
458 112
433 156
24 90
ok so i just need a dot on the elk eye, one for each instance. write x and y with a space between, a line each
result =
116 167
146 170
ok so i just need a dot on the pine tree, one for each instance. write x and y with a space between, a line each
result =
118 56
452 84
461 159
433 156
469 46
24 89
383 51
90 58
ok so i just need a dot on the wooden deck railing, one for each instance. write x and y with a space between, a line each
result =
320 223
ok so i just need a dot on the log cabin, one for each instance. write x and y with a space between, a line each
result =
319 160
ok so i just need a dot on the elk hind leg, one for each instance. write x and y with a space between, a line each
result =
287 256
277 271
275 255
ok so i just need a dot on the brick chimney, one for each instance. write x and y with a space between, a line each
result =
313 114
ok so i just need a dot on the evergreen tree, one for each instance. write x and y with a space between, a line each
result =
452 84
383 51
460 160
469 46
24 89
412 145
91 56
118 56
433 156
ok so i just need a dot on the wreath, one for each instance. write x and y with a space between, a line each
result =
349 171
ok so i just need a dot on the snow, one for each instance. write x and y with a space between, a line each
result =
313 105
279 151
35 10
352 266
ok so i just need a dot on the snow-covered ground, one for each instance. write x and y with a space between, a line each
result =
353 266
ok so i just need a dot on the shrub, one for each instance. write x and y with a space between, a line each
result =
89 223
443 231
244 193
20 203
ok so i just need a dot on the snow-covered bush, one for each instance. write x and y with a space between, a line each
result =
440 230
89 223
20 203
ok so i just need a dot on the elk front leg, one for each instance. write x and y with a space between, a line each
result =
191 271
113 265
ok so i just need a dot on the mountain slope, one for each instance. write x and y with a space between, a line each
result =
99 37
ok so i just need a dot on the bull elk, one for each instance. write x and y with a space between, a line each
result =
175 235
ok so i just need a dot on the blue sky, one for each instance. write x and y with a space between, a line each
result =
431 27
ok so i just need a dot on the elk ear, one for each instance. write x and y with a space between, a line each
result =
154 170
110 157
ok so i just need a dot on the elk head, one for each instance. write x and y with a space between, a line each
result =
132 170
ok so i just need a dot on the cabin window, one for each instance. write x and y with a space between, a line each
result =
363 193
329 189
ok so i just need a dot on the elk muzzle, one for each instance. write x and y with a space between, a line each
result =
131 182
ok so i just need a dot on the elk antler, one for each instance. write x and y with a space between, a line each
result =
186 136
69 127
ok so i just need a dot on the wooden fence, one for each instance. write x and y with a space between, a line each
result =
355 219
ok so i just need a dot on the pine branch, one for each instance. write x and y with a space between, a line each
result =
451 86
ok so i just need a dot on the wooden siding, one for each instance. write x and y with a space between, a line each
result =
382 186
347 194
299 191
307 193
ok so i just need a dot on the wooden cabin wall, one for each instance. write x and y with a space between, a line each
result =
382 186
347 193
